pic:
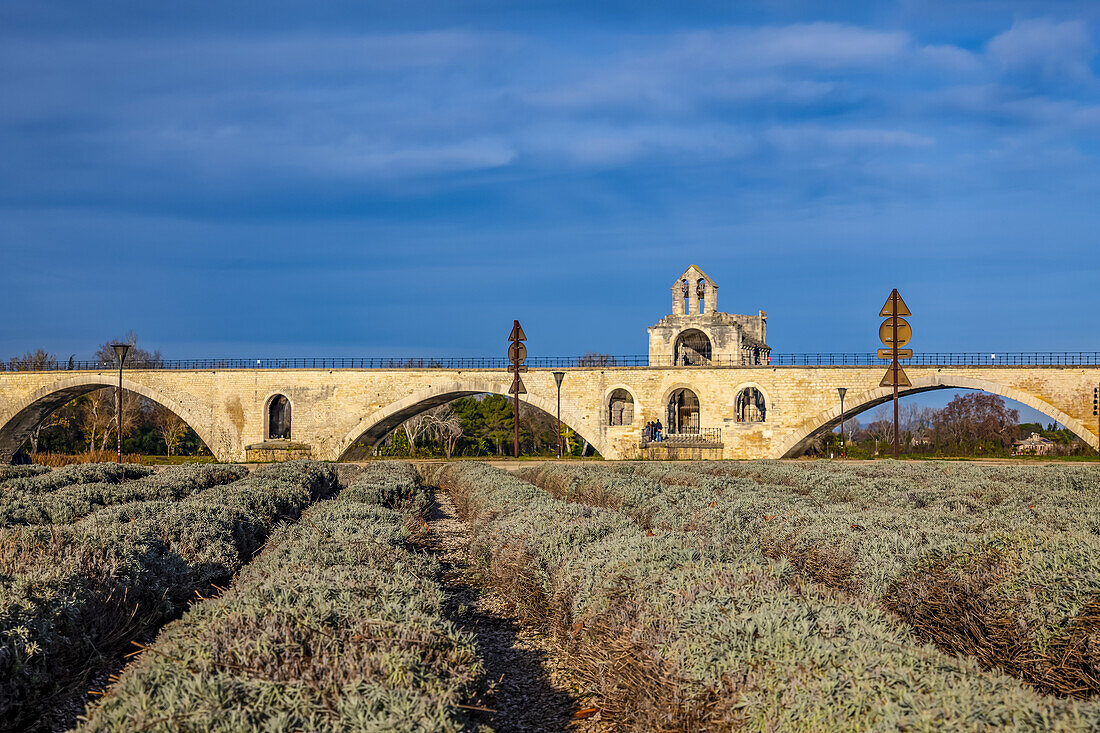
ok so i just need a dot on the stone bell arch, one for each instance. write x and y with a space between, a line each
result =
697 334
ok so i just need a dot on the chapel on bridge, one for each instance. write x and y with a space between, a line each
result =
697 334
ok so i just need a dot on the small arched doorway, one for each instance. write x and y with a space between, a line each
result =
692 348
750 406
620 408
278 418
683 412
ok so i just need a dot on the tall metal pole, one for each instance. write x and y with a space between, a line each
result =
558 376
518 354
842 391
118 412
120 352
515 408
894 346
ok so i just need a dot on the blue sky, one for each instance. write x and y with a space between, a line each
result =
282 179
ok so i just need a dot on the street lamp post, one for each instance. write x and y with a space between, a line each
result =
842 391
120 352
558 376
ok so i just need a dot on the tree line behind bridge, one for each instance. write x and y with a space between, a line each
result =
475 427
970 425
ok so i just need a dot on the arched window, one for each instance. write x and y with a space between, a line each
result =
683 412
692 348
701 294
686 291
278 418
620 408
750 405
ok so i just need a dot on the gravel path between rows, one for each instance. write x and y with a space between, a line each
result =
530 688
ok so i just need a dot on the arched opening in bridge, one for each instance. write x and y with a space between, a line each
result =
944 420
278 418
464 423
692 348
750 405
620 408
683 412
81 419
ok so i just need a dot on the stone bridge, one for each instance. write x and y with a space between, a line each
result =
333 409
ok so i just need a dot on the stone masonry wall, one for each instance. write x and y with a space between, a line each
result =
333 408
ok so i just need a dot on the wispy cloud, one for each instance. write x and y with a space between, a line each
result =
596 144
812 46
803 138
1044 51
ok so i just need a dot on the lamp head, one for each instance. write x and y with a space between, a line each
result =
558 376
842 391
120 352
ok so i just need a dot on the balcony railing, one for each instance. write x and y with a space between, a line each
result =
1024 358
701 437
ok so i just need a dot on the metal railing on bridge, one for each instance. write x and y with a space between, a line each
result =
589 361
945 358
700 437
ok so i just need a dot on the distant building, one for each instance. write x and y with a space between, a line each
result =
1036 445
696 334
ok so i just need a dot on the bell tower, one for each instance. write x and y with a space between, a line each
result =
696 334
694 293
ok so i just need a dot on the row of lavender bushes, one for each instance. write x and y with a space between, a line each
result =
66 504
1001 563
338 625
675 630
42 480
74 595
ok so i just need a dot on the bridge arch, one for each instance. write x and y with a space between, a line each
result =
825 421
45 400
376 426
